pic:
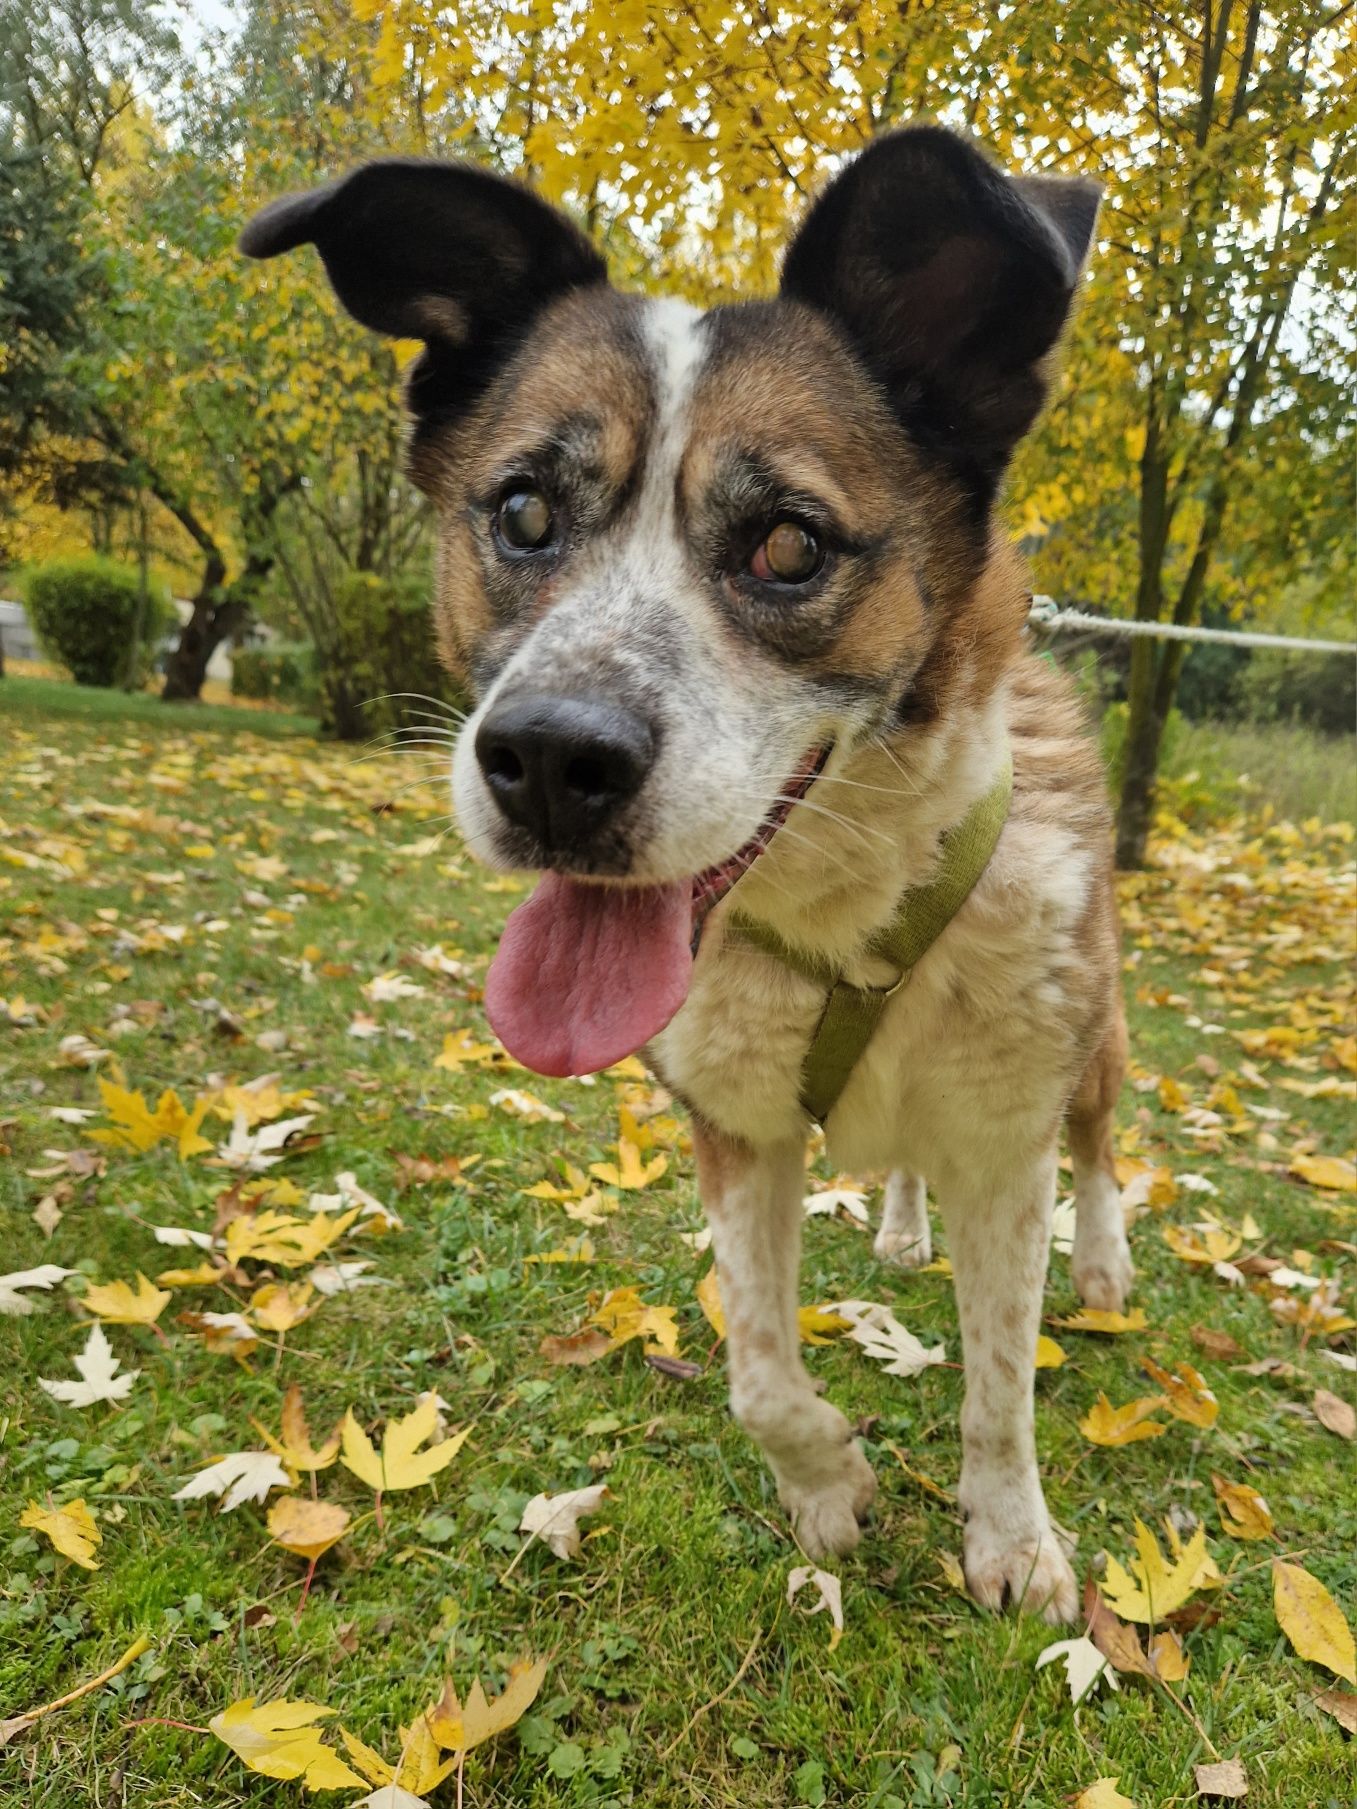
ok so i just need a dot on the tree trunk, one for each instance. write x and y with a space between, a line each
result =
199 637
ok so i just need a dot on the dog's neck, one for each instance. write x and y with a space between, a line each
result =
870 825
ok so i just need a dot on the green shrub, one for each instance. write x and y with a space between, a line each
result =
285 673
1315 690
378 649
88 615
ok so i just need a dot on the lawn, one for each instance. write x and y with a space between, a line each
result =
183 908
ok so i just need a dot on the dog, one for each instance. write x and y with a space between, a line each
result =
748 646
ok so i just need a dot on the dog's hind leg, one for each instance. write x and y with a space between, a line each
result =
998 1236
752 1198
1101 1261
904 1236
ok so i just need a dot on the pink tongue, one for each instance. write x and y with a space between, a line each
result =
586 974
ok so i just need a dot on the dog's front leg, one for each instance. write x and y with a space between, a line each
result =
752 1198
998 1239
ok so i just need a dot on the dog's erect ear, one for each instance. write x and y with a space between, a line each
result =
442 252
953 281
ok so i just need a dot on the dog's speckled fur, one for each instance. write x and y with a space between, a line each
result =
877 400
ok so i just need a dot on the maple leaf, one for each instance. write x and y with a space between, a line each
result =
576 1187
460 1050
12 1300
295 1446
1310 1618
1158 1587
98 1371
1243 1512
458 1729
135 1127
1049 1353
624 1316
1084 1666
1098 1319
1186 1393
883 1338
555 1518
240 1476
420 1765
526 1106
278 1237
382 988
401 1465
70 1528
256 1151
830 1201
280 1740
1105 1424
1209 1244
308 1528
116 1303
829 1592
629 1172
278 1307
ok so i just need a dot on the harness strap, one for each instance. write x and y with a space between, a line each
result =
852 1013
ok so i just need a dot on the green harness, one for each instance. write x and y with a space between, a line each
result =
852 1013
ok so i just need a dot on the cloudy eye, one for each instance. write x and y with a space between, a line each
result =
790 554
524 520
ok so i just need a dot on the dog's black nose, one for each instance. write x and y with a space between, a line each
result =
563 767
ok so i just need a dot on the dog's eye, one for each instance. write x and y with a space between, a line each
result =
524 520
790 555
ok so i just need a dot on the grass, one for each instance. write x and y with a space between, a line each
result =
44 699
1282 765
174 895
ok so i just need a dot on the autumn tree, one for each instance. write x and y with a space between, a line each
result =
1202 402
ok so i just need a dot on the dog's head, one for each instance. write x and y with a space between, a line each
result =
685 556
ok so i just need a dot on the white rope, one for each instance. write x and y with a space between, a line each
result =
1047 617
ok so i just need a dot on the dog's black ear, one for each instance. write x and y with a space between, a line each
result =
953 281
442 252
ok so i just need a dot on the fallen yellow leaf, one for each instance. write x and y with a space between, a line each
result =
629 1172
1157 1587
1186 1391
814 1324
116 1304
458 1729
1049 1353
277 1307
280 1740
1310 1618
1214 1245
1105 1424
401 1464
1243 1512
308 1528
1329 1172
70 1528
1103 1794
624 1316
1098 1319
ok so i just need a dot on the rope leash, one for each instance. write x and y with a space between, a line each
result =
1047 617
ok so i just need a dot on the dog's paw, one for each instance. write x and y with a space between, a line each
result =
1032 1573
1103 1272
906 1249
827 1513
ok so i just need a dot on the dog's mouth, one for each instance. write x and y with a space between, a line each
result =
588 972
